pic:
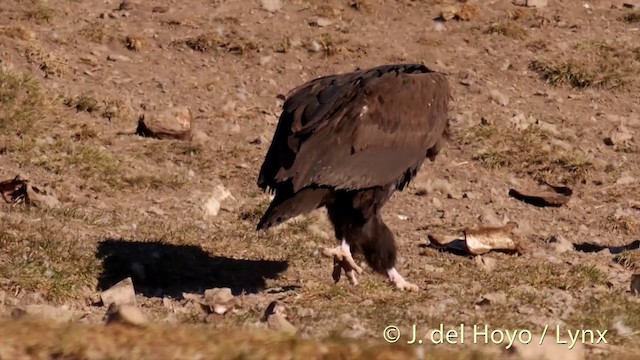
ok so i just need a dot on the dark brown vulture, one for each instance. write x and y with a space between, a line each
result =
348 142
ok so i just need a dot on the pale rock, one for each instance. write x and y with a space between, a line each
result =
125 314
498 97
119 294
271 6
214 204
485 263
48 312
559 244
173 123
218 295
496 298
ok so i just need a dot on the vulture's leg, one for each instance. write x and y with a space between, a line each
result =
380 251
342 260
399 281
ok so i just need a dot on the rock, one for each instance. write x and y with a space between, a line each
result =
125 314
314 46
271 5
559 244
214 204
116 57
537 3
277 320
498 97
160 9
625 179
620 136
635 284
490 218
218 295
487 264
496 298
125 5
622 329
522 122
155 210
20 190
173 123
43 311
122 293
320 22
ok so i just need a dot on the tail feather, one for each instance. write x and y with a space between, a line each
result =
286 206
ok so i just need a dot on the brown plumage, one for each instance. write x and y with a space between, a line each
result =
348 142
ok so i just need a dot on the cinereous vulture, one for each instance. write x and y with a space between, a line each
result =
348 142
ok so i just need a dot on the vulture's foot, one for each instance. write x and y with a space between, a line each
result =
342 260
399 282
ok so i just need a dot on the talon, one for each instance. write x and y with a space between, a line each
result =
342 260
399 282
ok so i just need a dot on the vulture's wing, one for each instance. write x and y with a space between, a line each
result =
358 130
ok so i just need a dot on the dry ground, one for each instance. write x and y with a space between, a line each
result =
537 92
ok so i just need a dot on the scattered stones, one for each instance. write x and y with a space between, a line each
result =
220 199
125 314
122 293
174 123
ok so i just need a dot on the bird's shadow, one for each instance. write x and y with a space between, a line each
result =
159 269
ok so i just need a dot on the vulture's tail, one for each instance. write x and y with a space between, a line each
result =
286 206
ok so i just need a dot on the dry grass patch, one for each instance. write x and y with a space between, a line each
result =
36 339
43 257
591 63
527 152
108 108
16 32
96 32
51 64
39 13
22 103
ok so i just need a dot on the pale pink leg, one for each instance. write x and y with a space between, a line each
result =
399 281
342 260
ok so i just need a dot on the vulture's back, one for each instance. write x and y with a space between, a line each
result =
357 130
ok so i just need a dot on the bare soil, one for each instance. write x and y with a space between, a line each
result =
548 93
